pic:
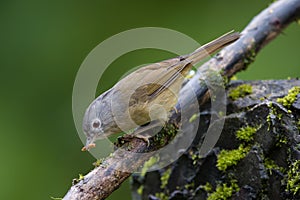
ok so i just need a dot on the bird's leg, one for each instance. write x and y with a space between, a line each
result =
145 132
137 133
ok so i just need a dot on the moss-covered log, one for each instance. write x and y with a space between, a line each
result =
256 157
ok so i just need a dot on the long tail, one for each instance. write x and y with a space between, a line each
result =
212 47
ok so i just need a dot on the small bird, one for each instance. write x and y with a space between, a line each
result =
145 95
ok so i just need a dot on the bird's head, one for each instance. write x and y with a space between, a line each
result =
92 125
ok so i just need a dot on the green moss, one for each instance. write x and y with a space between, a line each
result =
224 191
165 178
80 177
148 164
240 91
290 98
225 80
271 165
77 180
140 190
171 130
215 78
273 114
161 196
246 133
194 117
293 182
250 57
281 139
189 186
227 158
221 113
262 98
195 158
98 162
165 135
234 78
207 187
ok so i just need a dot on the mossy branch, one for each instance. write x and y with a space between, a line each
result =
103 180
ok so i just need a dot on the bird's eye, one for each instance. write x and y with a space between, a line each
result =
96 124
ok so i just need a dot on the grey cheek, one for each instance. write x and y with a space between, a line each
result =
85 127
90 135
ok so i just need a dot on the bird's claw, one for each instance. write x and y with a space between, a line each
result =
129 137
144 138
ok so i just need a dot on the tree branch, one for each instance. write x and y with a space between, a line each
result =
103 180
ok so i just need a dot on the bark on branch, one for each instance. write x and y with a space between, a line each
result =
103 180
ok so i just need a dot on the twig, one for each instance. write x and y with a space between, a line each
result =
103 180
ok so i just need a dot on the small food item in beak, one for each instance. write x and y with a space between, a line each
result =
88 147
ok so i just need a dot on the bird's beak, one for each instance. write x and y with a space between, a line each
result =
89 144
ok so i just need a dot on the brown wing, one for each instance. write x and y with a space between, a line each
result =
172 70
153 79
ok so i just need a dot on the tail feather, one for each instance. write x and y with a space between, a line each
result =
213 46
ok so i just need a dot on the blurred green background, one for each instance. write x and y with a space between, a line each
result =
43 44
